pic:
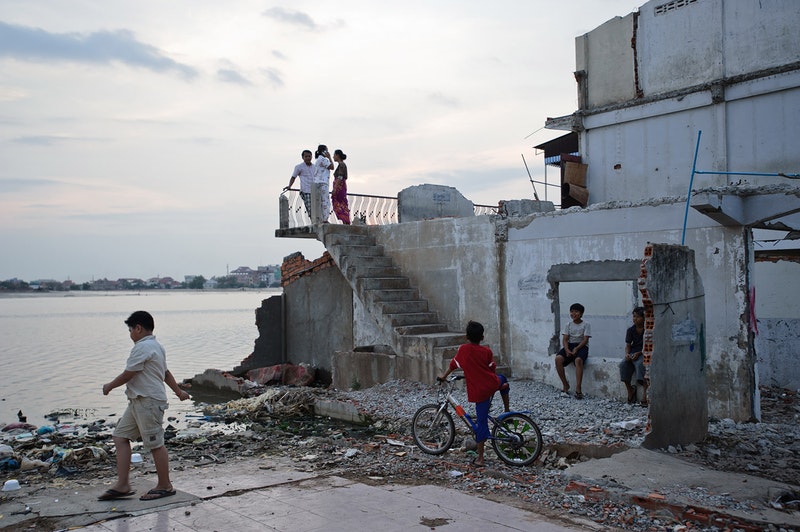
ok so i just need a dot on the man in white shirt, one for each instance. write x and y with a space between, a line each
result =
305 171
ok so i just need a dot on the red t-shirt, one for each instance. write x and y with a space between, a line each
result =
477 362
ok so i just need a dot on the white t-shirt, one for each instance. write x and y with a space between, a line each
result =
149 360
306 174
576 331
322 173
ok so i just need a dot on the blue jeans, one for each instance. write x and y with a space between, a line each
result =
482 412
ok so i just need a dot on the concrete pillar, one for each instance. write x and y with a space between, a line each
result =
283 211
674 346
317 192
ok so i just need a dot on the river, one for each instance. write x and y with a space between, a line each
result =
58 349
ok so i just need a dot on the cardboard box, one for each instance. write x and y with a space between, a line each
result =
579 194
575 174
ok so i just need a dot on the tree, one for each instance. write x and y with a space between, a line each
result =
229 281
197 283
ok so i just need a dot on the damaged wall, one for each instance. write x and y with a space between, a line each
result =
777 343
674 346
318 312
466 273
619 234
738 83
456 266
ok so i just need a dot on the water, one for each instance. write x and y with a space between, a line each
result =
57 350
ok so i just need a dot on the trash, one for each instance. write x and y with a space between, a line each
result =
136 458
64 471
349 453
81 456
455 474
28 464
45 429
11 485
395 442
628 424
21 427
9 463
5 450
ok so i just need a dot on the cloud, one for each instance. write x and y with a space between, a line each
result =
279 55
52 140
228 75
18 185
102 47
442 99
274 77
290 16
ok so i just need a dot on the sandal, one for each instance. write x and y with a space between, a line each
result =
578 395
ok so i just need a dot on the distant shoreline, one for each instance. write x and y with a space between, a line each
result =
111 293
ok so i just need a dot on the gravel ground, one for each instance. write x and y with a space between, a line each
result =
572 430
277 423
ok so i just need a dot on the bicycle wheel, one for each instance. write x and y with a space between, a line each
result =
433 430
517 440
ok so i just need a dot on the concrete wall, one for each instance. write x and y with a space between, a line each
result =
690 45
674 346
708 40
646 151
777 343
606 56
644 147
513 287
456 265
318 314
592 236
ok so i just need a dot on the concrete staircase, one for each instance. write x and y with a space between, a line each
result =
422 345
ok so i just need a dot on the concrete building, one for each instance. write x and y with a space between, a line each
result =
648 83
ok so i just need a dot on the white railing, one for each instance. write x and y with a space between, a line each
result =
369 209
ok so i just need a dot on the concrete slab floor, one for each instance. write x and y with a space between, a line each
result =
255 494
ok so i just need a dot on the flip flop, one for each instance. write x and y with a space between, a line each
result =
113 495
479 466
154 494
578 395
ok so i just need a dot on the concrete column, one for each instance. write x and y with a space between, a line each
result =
674 350
283 211
316 203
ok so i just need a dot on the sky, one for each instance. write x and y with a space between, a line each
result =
148 138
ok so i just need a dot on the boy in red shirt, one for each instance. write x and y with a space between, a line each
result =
477 363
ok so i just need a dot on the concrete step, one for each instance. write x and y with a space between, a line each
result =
382 283
360 263
407 294
417 330
339 239
358 250
400 307
369 271
446 352
503 369
412 318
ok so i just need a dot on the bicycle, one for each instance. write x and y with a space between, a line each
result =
515 438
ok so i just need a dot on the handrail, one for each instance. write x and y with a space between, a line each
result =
367 209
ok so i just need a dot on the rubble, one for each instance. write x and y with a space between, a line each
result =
280 422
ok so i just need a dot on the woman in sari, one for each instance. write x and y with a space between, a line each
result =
339 194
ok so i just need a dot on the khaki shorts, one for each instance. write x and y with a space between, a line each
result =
143 418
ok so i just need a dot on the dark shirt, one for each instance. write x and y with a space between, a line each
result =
635 339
